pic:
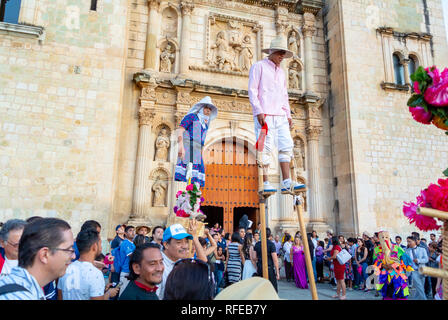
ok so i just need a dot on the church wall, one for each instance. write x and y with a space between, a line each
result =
60 100
394 157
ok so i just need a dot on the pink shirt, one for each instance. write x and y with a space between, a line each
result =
267 89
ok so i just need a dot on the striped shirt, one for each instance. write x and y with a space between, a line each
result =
23 278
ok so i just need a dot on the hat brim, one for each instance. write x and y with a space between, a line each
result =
141 227
180 236
288 54
199 106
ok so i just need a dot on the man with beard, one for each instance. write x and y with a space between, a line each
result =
84 281
145 272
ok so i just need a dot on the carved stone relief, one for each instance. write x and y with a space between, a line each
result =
294 43
167 57
232 45
299 154
295 75
159 188
162 145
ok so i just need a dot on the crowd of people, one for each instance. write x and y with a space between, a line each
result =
41 259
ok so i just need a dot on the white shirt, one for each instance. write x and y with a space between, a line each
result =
287 248
23 278
169 264
82 281
8 265
314 240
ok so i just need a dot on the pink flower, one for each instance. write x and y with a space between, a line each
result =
438 195
416 88
190 187
420 115
437 93
178 193
422 222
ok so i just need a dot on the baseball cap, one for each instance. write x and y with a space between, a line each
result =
120 225
176 231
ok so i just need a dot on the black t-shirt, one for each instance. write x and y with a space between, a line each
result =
271 249
133 292
116 242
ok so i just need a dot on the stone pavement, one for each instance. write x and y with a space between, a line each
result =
289 291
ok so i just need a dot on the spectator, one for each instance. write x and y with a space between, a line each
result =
419 258
242 232
278 245
122 255
145 273
433 263
89 224
83 281
175 243
140 239
327 250
273 269
209 248
398 241
287 252
297 257
157 236
432 237
220 260
143 231
256 237
250 265
45 251
220 241
312 250
9 239
190 279
234 259
370 247
349 274
32 219
258 230
339 269
423 244
361 264
119 230
216 228
320 261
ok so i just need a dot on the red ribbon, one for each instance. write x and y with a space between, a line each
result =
261 139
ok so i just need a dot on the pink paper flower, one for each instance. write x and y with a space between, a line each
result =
189 187
178 193
420 115
437 93
416 88
437 195
422 222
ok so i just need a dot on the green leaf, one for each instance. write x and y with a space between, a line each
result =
446 171
416 100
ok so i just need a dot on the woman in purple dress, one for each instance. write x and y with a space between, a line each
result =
191 138
298 263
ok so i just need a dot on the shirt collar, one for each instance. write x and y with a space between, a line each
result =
272 64
146 288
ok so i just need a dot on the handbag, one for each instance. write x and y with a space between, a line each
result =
343 256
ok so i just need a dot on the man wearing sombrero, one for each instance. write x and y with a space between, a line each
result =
268 96
191 137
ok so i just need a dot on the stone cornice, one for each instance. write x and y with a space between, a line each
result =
394 87
389 31
311 6
23 29
289 5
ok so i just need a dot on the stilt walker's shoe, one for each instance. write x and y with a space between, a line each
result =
287 185
268 188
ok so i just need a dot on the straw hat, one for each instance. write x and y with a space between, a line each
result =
140 227
279 44
254 288
205 102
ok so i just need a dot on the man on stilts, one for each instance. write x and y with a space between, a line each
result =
268 96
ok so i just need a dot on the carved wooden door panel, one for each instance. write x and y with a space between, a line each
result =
231 180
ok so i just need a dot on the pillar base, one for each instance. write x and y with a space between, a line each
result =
320 227
287 226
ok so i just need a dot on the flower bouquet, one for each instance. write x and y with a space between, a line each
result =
435 197
429 103
188 203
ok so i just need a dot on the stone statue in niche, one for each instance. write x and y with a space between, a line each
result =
299 155
294 76
159 189
162 145
246 54
223 57
167 57
293 43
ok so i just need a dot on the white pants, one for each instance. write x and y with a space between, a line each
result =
278 136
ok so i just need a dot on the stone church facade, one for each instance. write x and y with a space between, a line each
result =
92 96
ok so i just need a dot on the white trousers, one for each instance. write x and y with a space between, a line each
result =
278 136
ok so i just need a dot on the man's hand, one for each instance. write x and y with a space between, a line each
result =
206 231
290 123
260 118
113 292
192 226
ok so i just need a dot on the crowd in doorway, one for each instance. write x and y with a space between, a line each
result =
41 259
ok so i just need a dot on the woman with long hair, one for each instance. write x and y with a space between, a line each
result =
250 266
339 269
234 259
361 263
297 256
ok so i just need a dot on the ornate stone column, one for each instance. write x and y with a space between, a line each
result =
405 64
151 36
187 8
142 188
308 30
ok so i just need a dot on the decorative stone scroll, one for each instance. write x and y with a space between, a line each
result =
232 45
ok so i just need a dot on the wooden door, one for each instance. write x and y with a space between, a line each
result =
231 179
